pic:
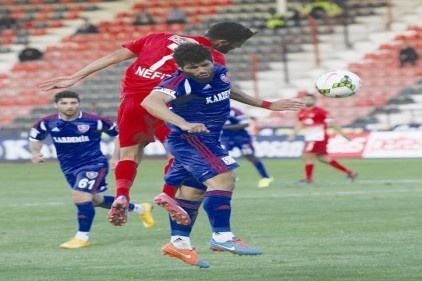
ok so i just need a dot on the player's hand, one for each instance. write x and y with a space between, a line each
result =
37 158
195 128
57 83
286 104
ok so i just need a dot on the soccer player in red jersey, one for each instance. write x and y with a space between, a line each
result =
153 63
314 121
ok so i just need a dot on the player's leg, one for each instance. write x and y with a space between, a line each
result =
248 151
124 173
143 210
161 131
85 182
350 174
308 158
135 132
210 164
190 198
168 190
217 204
177 176
180 244
85 213
309 166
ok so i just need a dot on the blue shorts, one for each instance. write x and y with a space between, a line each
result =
90 178
242 142
197 157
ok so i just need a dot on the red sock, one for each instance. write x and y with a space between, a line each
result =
125 174
167 189
309 171
340 167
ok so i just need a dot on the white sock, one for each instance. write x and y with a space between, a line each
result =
182 242
138 209
222 236
84 236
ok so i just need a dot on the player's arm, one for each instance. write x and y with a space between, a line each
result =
278 105
298 126
35 148
156 104
338 129
101 63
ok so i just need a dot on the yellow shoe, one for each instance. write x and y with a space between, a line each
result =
146 216
75 243
265 182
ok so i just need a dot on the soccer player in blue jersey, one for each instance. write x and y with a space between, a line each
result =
199 98
235 135
76 136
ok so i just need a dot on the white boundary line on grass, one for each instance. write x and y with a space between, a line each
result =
351 192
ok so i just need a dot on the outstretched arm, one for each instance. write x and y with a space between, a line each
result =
296 129
278 105
339 130
101 63
156 104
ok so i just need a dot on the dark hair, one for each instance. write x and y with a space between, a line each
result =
230 31
191 53
66 94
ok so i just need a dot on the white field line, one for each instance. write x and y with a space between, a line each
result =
312 192
347 193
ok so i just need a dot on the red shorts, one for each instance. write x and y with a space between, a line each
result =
136 125
318 147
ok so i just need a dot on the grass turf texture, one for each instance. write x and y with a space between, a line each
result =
330 230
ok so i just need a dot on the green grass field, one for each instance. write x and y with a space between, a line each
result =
332 230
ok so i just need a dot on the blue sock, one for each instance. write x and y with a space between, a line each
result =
108 200
217 205
85 216
261 169
191 207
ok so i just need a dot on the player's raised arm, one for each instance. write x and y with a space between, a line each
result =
156 104
101 63
278 105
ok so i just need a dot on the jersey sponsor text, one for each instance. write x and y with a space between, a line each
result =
71 139
218 97
150 74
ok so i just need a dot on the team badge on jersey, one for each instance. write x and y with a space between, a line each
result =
91 175
224 78
83 128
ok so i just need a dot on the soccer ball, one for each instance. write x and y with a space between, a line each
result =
338 84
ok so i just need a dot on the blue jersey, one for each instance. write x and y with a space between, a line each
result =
77 142
207 103
236 117
237 138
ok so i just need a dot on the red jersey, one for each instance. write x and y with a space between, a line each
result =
314 122
155 60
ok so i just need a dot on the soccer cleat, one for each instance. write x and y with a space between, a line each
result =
75 243
265 182
187 255
146 216
352 176
176 212
118 212
235 246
